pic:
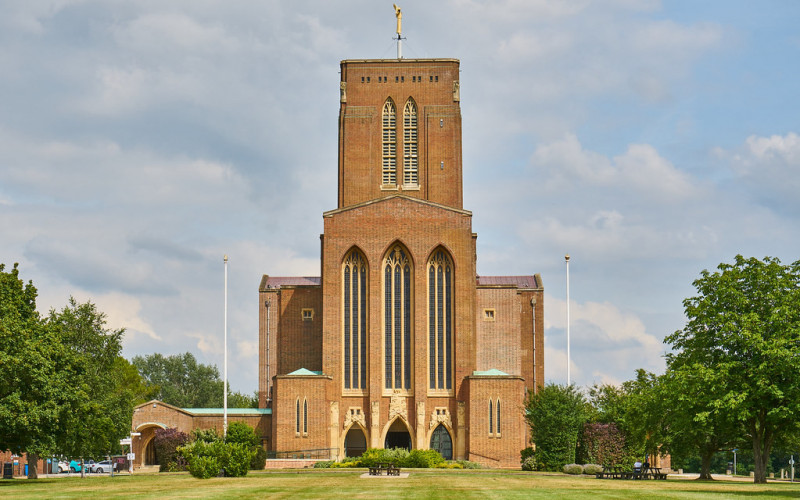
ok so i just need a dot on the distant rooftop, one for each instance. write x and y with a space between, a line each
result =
280 281
518 281
274 282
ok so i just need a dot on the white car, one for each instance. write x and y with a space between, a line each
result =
63 466
104 466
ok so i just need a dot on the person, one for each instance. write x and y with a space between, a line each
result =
637 466
646 464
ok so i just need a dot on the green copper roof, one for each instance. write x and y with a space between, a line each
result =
231 411
494 372
304 371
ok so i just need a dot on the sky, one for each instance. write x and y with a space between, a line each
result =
142 141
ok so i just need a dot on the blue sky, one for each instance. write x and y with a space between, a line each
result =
141 141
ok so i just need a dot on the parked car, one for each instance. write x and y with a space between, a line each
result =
63 466
74 466
104 466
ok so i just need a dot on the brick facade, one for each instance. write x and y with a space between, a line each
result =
431 359
499 359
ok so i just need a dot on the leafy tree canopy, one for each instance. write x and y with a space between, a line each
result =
555 414
181 381
741 341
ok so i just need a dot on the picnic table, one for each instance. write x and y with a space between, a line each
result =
384 467
619 472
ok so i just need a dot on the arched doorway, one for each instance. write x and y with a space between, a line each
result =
398 436
150 457
355 442
442 442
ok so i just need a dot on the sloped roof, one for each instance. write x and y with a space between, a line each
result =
304 371
494 372
518 281
276 282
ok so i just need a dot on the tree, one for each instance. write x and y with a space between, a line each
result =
100 407
744 328
181 381
555 414
693 422
34 368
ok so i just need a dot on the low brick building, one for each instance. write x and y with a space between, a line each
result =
399 342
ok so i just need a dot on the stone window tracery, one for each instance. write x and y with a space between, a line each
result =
354 326
397 319
389 143
440 321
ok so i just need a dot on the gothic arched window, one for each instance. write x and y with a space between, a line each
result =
440 321
410 149
354 279
397 319
389 142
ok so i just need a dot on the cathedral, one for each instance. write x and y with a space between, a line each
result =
399 342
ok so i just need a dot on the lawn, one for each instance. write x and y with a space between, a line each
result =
420 484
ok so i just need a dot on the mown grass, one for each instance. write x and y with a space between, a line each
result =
420 484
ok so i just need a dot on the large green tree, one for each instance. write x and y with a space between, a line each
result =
102 397
743 337
34 368
181 381
555 414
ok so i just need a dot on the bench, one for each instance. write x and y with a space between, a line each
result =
381 468
618 472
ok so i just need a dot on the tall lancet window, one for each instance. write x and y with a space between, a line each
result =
410 149
354 282
389 175
440 321
397 325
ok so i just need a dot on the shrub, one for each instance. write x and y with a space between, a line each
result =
373 456
204 457
167 442
203 467
324 464
529 464
239 432
239 458
592 469
448 465
259 460
206 435
421 459
574 469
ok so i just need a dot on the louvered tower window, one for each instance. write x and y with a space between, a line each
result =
354 279
389 175
397 319
410 149
440 321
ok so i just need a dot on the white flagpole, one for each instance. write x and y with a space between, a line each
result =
225 359
569 380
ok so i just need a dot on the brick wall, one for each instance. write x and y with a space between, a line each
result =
486 446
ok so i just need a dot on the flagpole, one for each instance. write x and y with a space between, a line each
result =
569 380
225 359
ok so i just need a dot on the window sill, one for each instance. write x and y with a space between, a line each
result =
389 187
410 187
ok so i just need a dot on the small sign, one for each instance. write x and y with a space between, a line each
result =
131 456
125 441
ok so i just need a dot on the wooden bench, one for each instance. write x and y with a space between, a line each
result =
388 468
618 472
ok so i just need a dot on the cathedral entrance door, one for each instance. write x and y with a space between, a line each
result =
398 436
441 442
355 443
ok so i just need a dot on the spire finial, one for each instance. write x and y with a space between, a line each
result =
399 15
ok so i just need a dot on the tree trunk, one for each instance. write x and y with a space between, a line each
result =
705 465
83 469
33 460
762 443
